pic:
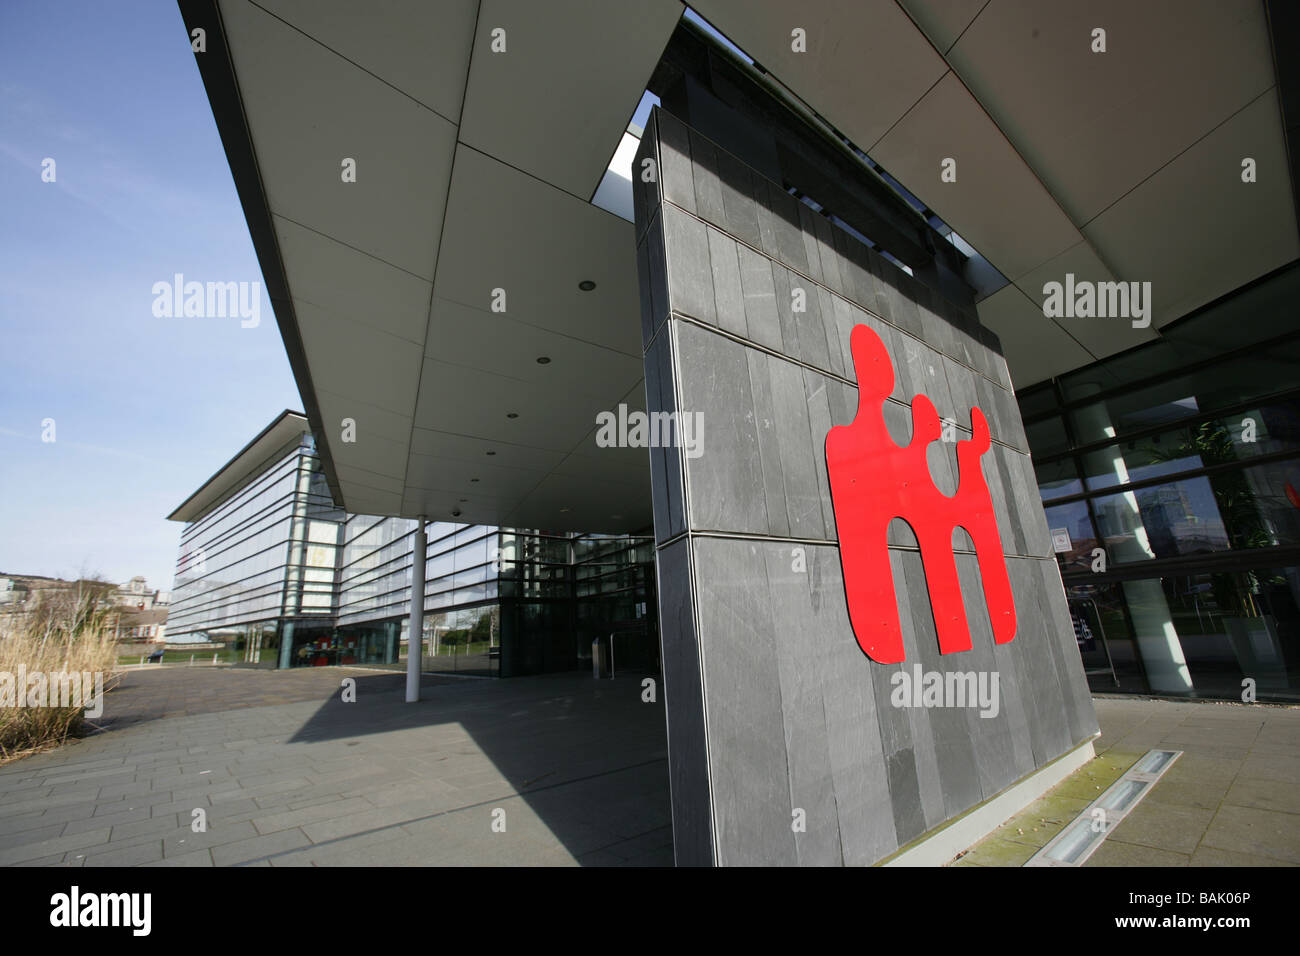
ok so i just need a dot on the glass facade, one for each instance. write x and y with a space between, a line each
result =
1170 475
502 602
282 578
257 571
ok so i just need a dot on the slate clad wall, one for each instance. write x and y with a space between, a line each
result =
771 705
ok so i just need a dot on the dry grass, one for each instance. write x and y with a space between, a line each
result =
68 632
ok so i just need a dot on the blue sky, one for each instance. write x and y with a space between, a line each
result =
145 408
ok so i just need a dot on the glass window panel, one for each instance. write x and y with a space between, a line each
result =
1047 437
1074 548
1036 400
322 532
1056 479
1207 389
1139 460
1164 521
1260 505
1226 626
1265 430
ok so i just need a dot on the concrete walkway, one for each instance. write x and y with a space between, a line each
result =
288 775
1231 799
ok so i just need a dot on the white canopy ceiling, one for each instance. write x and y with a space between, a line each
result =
475 171
1123 165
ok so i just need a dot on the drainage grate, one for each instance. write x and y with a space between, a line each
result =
1080 839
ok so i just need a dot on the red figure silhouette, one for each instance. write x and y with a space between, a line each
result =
874 480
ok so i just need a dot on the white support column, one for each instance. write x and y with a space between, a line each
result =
415 630
1157 639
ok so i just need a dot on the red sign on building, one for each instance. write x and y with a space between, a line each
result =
874 480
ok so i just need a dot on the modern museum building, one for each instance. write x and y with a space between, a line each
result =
270 568
812 350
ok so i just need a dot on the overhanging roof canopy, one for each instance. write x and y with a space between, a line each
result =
1123 165
269 444
475 170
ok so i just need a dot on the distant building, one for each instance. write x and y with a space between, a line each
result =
136 594
138 612
271 566
147 626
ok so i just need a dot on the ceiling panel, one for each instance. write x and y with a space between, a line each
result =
1094 125
1100 336
358 361
511 457
509 231
368 479
346 282
1194 229
943 20
441 506
625 465
437 506
866 62
559 97
308 109
515 453
584 501
370 420
363 501
499 343
421 48
1036 348
468 402
997 204
376 454
455 477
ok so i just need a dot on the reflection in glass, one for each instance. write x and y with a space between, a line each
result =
1164 521
1187 453
1236 629
1057 479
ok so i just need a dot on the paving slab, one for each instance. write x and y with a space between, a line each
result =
1230 799
287 774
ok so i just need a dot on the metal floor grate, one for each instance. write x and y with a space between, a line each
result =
1081 837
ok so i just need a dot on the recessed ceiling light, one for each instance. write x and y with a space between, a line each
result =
544 360
586 285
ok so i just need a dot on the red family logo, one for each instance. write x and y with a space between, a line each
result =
874 480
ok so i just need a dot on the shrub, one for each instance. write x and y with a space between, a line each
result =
71 631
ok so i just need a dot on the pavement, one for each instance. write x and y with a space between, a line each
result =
280 771
1231 799
230 766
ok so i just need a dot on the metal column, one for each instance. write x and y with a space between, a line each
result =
415 631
